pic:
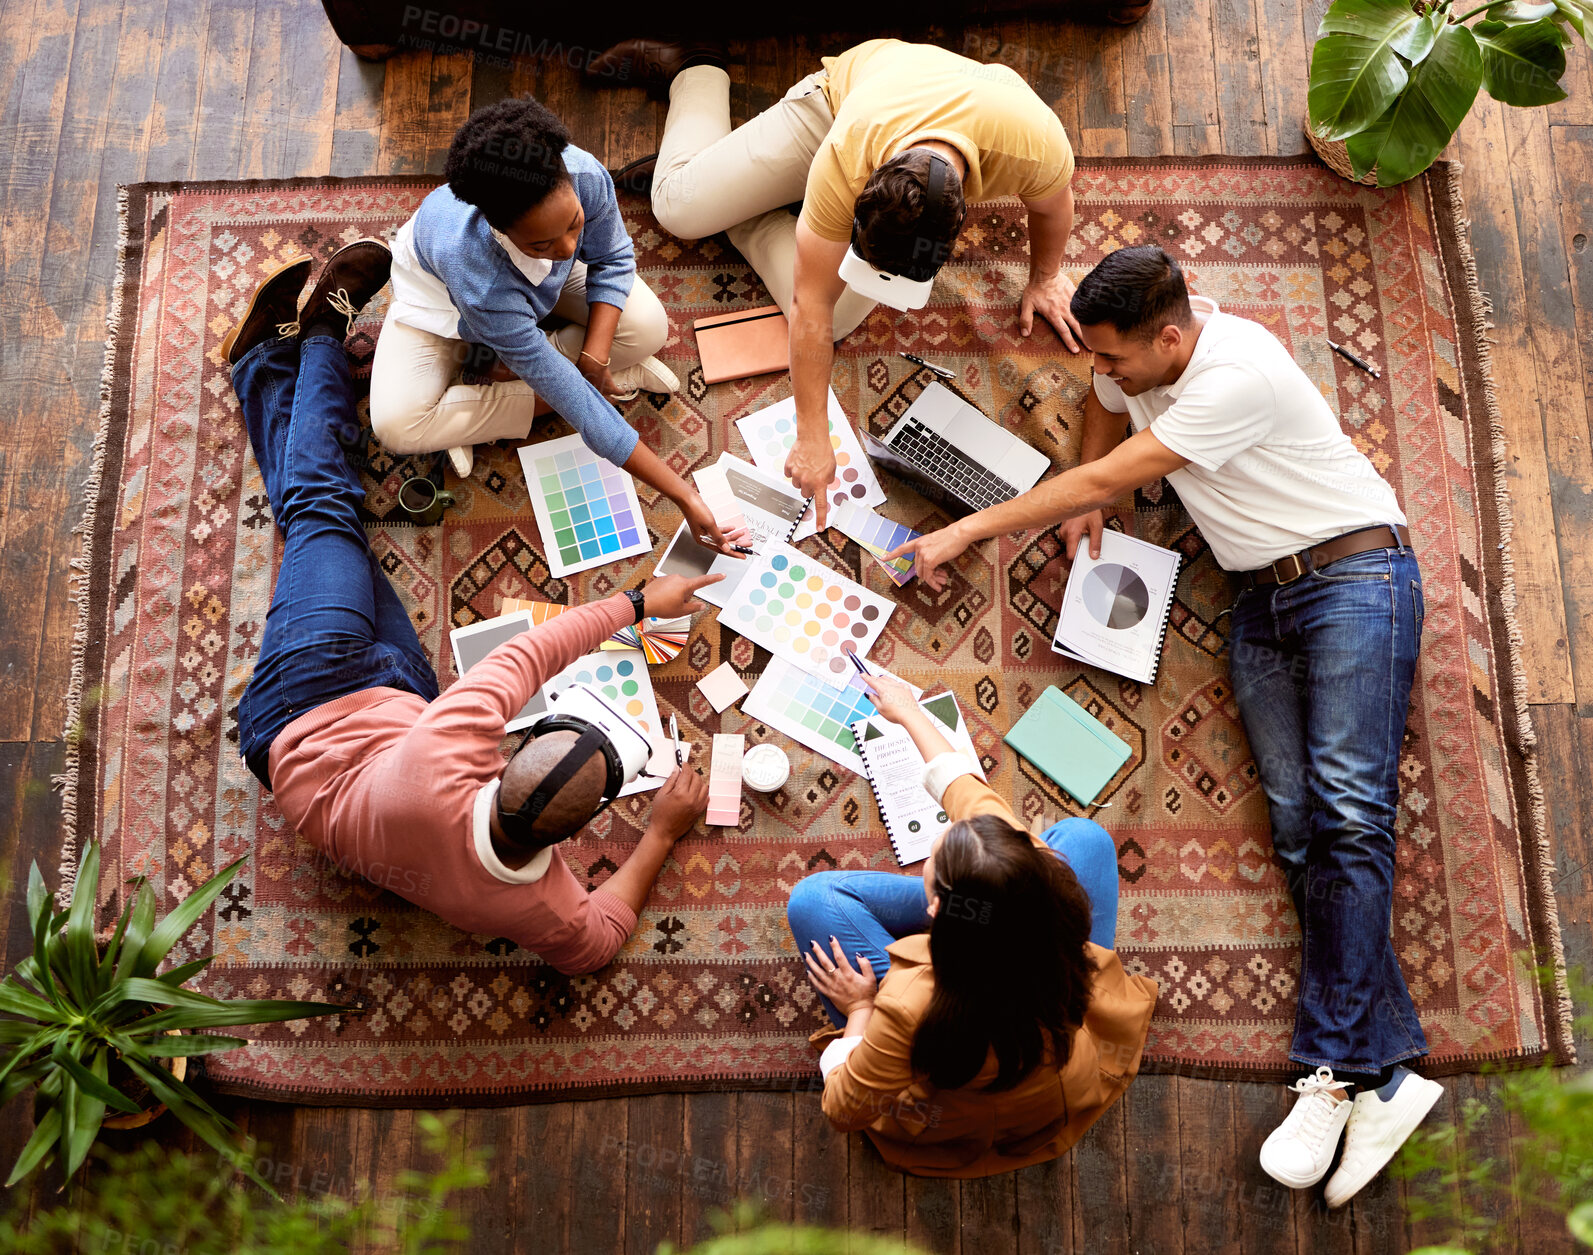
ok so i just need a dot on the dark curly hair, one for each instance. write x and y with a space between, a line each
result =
894 224
507 159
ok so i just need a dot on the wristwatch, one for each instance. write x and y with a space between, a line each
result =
638 603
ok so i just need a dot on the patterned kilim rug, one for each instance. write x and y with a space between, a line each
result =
708 993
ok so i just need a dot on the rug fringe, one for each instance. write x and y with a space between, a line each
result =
1525 735
68 781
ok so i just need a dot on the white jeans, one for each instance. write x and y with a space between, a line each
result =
416 407
710 178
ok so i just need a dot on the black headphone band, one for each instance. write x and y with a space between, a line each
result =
519 824
934 195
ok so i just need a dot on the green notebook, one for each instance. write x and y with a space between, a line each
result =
1070 745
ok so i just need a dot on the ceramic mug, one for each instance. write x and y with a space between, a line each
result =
423 502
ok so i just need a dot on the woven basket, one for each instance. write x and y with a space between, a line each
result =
1337 157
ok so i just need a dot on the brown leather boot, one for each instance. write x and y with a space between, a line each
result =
650 63
273 310
637 176
354 274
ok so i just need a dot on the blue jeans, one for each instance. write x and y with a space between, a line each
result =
335 625
1322 671
866 911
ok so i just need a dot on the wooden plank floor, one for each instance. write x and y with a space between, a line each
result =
94 93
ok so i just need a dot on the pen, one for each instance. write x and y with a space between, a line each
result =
1355 361
858 663
703 540
674 735
930 366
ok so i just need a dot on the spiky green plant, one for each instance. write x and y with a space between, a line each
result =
78 1005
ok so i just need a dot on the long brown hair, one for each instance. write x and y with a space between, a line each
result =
1007 945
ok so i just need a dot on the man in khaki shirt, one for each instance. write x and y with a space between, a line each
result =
884 147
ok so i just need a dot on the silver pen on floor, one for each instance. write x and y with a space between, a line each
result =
942 371
1355 361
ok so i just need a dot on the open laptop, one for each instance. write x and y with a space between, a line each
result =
953 454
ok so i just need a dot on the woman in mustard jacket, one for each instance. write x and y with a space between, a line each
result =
1005 1025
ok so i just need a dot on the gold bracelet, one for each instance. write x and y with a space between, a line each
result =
604 365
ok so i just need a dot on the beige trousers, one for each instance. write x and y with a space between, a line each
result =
710 178
416 407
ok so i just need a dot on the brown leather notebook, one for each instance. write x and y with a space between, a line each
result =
748 342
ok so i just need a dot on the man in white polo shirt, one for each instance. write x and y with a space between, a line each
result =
1325 635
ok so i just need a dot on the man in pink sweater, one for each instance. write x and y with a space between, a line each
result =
342 718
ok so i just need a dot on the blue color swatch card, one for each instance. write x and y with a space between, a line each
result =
585 506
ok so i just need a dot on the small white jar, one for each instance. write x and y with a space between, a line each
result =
764 768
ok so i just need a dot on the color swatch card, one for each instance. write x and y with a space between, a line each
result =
585 506
878 535
800 610
722 688
815 712
771 432
766 506
724 780
684 556
475 641
895 769
621 678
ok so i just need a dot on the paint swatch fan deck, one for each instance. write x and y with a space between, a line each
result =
659 639
585 506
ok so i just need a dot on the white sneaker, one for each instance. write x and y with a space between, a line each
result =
1378 1127
1297 1153
462 457
649 375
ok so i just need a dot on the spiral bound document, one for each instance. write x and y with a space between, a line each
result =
895 772
1115 607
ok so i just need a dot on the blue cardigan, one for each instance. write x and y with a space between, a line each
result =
499 307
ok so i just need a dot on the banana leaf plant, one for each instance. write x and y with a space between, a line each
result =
1394 79
77 1007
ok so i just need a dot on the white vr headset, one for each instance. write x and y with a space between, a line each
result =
904 280
599 729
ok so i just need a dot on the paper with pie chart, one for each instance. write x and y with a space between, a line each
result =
771 432
800 610
1115 607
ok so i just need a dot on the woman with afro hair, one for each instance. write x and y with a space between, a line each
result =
526 231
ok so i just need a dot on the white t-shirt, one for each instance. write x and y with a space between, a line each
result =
1270 471
421 299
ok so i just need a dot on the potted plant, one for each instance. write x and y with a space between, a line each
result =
1392 80
95 1027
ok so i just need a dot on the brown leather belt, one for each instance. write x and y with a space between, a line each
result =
1290 568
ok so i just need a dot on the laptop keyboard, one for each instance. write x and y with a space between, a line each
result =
938 457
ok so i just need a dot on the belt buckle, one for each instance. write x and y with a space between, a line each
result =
1299 569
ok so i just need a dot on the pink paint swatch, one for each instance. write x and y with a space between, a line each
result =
724 780
720 499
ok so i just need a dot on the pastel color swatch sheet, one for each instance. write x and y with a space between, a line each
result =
585 506
771 432
878 535
814 712
800 610
724 780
